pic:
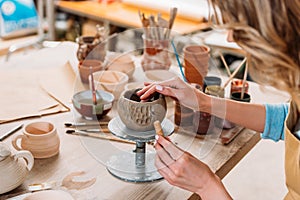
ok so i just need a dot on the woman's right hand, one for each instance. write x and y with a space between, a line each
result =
176 88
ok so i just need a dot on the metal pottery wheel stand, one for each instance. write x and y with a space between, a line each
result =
137 166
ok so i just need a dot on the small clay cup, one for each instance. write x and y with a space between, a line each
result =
183 115
85 71
138 115
236 85
40 138
201 122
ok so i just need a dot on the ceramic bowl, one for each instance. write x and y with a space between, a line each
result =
110 81
82 102
120 62
140 116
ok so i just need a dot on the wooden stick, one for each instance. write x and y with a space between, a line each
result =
234 73
158 128
244 81
225 64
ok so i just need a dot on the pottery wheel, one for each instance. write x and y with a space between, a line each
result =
136 166
118 128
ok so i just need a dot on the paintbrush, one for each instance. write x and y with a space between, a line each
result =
93 86
225 64
244 81
234 73
178 61
70 124
97 135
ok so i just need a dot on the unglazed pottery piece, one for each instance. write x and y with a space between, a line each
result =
140 116
13 168
110 81
40 138
86 67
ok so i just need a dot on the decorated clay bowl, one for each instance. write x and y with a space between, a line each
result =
138 115
83 103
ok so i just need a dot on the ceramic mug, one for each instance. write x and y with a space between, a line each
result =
40 138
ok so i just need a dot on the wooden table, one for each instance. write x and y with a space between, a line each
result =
122 15
75 153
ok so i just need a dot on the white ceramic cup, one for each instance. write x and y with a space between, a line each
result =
40 138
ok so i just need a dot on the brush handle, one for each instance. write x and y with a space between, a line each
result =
104 136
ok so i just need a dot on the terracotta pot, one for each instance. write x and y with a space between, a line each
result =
183 116
13 168
196 62
40 138
86 67
140 116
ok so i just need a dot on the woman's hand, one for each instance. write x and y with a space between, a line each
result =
174 88
183 170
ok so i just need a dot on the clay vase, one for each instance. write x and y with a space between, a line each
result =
40 138
90 48
196 62
156 55
86 67
13 168
140 116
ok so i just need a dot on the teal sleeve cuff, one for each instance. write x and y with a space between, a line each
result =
274 125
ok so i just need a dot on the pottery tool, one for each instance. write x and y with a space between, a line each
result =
158 128
7 134
225 64
244 81
234 73
98 135
93 87
94 130
70 124
173 14
178 61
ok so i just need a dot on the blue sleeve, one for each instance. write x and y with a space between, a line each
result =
274 125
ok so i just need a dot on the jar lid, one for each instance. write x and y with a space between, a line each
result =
4 151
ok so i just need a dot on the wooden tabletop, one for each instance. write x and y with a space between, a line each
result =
77 155
123 15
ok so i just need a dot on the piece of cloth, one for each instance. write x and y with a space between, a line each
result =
274 125
292 154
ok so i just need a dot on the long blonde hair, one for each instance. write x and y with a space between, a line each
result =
269 31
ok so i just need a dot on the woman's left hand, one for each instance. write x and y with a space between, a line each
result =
183 170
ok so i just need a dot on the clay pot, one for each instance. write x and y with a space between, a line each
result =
183 116
86 67
196 62
13 168
140 116
40 138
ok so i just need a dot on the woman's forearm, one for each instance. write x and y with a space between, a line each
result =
249 115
